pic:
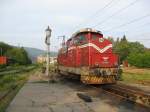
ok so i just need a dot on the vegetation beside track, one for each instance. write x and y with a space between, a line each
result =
12 67
135 75
16 55
10 85
16 69
135 53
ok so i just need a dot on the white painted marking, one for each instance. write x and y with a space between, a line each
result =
94 46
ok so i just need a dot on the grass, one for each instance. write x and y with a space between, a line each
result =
12 82
135 75
5 102
16 69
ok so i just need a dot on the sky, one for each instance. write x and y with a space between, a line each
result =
23 22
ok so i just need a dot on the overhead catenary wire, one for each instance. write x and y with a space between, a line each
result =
143 40
129 31
141 27
146 34
116 13
96 13
130 22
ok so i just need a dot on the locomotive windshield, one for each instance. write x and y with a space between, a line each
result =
80 39
96 36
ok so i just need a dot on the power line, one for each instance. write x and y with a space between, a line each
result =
119 11
143 34
145 40
97 12
130 22
141 27
133 30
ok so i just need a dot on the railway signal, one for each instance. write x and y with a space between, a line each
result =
47 42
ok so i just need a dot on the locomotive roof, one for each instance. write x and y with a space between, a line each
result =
86 30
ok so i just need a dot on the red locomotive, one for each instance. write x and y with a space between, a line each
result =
88 55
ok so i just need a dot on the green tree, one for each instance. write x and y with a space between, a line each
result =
124 39
111 39
136 47
4 47
140 59
123 48
19 55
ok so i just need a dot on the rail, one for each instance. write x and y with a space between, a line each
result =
129 93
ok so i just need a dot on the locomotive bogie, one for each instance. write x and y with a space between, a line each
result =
91 76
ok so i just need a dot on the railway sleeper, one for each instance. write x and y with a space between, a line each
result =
132 96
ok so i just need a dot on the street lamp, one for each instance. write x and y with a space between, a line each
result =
47 42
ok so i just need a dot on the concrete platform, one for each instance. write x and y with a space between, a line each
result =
61 97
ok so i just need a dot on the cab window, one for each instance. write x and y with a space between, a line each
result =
82 39
94 36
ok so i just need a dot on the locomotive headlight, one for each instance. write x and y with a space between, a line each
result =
101 39
96 64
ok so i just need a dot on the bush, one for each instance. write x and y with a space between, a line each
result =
119 77
19 56
2 66
140 59
8 78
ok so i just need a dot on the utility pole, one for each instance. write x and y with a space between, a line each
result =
47 42
63 41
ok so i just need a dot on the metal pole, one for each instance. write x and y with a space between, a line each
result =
63 40
47 67
47 41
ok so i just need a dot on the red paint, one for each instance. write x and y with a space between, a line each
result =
3 60
77 55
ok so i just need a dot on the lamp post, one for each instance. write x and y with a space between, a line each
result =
47 42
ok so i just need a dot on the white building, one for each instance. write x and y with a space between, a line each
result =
43 59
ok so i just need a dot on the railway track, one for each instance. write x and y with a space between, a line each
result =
129 93
126 92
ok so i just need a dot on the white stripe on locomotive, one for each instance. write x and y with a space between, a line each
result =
94 46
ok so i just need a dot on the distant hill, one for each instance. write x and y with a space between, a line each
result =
34 52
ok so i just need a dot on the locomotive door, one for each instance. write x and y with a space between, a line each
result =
74 57
84 50
84 57
77 57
